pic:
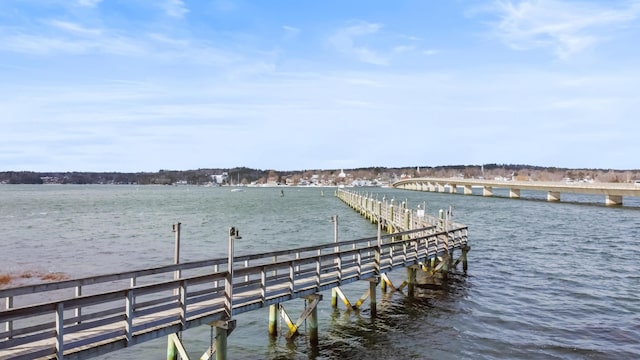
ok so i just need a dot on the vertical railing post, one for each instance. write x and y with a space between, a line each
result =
60 331
176 250
129 324
407 223
292 275
228 285
183 304
263 284
78 311
318 268
378 250
334 219
216 268
177 291
9 324
336 249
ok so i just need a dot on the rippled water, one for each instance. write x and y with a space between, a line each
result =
545 280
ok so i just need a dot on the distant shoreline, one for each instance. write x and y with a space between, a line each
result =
371 176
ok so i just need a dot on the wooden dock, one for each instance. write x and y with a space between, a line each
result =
80 318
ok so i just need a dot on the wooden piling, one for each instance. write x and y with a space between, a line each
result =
221 343
273 320
334 298
411 281
172 350
444 270
313 325
465 250
372 297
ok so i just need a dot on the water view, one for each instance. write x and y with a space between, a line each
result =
545 281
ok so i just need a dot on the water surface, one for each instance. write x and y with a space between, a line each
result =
545 281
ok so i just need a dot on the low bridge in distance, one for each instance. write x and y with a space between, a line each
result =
613 192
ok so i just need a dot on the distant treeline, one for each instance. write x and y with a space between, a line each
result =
243 175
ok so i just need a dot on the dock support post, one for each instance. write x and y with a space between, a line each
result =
468 190
172 350
313 323
411 281
273 320
334 298
372 297
445 266
465 250
221 342
487 191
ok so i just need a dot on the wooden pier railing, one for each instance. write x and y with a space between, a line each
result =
89 316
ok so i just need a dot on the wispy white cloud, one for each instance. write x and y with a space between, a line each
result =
403 48
290 29
175 8
567 28
290 32
431 52
64 38
74 28
37 44
347 41
89 3
224 5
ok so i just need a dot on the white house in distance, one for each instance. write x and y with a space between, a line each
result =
220 179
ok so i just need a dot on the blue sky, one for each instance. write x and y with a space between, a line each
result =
141 85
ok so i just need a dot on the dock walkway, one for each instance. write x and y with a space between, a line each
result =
85 317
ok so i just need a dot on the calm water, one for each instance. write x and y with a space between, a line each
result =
545 281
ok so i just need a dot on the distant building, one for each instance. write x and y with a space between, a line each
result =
220 179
